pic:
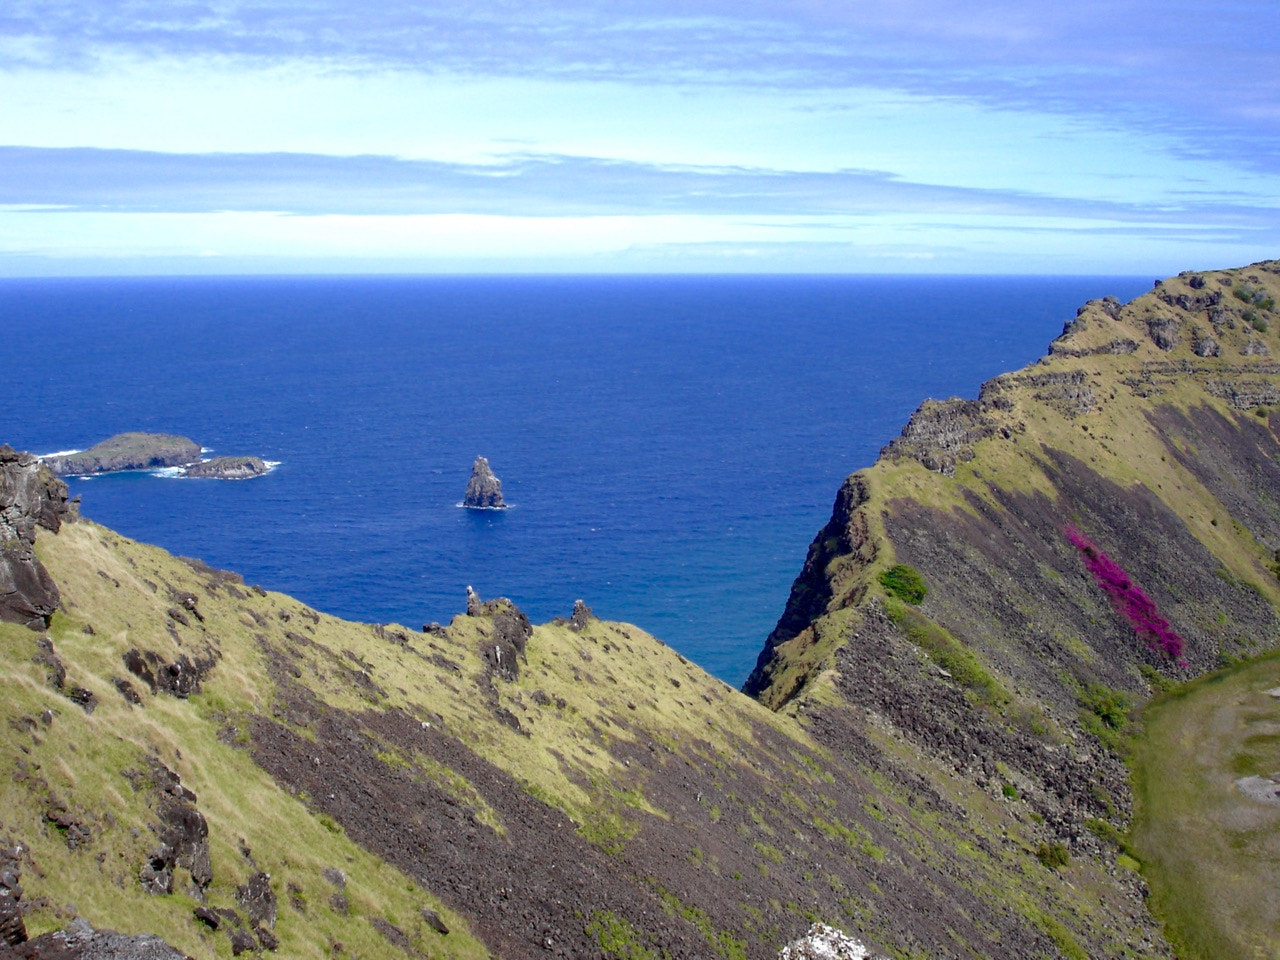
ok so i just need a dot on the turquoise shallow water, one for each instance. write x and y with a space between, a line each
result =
669 445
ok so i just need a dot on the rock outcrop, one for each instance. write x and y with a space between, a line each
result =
127 451
30 497
484 490
12 928
228 468
80 941
824 943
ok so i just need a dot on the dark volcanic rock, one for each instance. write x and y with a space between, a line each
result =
30 497
258 899
183 834
228 468
484 490
81 942
12 929
127 451
941 432
511 633
180 678
1164 332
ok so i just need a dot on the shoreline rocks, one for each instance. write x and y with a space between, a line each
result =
228 468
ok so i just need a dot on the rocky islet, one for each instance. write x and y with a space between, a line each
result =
153 451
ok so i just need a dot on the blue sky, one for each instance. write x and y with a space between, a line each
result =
220 136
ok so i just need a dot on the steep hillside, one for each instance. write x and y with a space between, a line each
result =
194 757
1088 530
573 789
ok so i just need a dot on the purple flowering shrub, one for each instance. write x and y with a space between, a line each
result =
1128 598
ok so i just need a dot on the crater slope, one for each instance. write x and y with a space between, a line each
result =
935 773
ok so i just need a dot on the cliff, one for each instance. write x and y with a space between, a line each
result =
1089 530
30 498
930 765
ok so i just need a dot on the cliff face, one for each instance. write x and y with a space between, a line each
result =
933 772
1142 449
1149 427
30 498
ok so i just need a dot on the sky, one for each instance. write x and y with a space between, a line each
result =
581 136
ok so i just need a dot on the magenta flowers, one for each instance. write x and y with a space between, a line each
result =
1128 598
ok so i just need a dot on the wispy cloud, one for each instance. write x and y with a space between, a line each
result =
537 186
1206 75
1098 132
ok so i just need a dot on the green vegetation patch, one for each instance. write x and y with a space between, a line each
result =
617 937
1104 712
722 941
950 654
905 583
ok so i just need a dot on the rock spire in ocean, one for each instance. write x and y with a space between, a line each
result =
484 490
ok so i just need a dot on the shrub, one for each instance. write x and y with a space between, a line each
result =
1053 855
905 583
1128 598
1104 712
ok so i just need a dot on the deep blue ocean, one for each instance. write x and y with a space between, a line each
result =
669 445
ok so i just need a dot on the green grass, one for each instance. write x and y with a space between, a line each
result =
950 654
1205 848
1104 712
618 938
905 583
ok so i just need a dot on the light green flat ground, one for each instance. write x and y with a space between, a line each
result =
1210 846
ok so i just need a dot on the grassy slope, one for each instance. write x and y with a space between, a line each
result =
602 694
107 584
655 763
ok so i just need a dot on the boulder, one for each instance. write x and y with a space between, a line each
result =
824 943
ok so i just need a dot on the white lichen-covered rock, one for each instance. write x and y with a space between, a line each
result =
824 943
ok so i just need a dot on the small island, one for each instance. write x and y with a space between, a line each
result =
484 490
153 451
228 468
127 451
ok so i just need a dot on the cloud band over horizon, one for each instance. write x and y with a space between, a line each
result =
922 127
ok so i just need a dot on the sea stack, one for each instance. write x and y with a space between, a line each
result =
484 490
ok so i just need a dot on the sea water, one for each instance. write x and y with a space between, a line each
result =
668 446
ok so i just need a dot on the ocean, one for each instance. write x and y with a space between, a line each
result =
668 445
